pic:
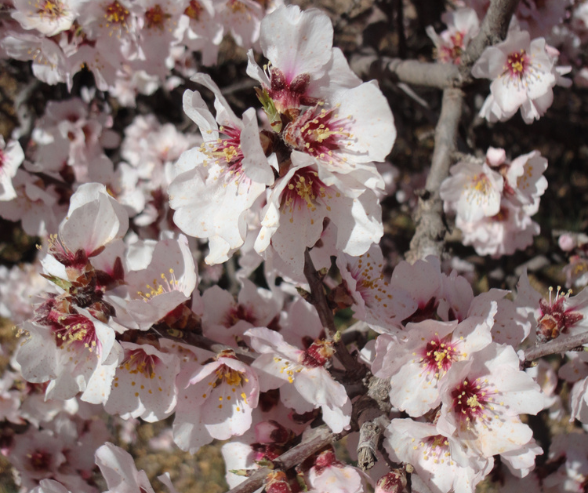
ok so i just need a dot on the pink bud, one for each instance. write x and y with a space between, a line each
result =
567 242
277 482
495 157
393 482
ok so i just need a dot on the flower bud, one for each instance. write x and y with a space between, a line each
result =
393 482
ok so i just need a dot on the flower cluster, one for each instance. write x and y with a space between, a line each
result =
494 200
130 46
202 280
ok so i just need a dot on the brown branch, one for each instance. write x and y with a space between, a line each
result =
430 232
203 342
493 30
439 75
321 437
320 302
559 345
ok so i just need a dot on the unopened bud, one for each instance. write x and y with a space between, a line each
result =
277 482
393 482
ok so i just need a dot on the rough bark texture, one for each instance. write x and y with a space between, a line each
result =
430 233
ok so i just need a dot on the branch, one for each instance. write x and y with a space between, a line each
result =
370 437
430 231
439 75
320 302
559 345
203 342
321 437
493 30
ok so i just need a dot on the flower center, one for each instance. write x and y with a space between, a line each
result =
516 64
115 13
304 189
238 313
554 318
159 287
156 17
318 354
237 7
319 132
438 355
470 400
193 10
226 152
53 10
138 361
77 330
40 460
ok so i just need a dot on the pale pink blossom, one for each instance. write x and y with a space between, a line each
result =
473 191
226 319
163 284
144 383
49 17
482 399
120 472
374 300
509 230
300 202
215 401
462 26
441 461
523 75
301 376
331 475
201 29
218 182
417 363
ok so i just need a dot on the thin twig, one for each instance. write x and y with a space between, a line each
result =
320 302
559 345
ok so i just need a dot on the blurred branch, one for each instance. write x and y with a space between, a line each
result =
559 345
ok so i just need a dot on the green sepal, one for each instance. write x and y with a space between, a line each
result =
270 109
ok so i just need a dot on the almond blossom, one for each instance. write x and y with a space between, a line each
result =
482 399
300 202
215 401
417 364
49 17
462 26
441 461
220 180
301 376
331 475
472 191
139 383
374 300
523 75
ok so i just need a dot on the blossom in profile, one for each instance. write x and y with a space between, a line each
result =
11 157
462 25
